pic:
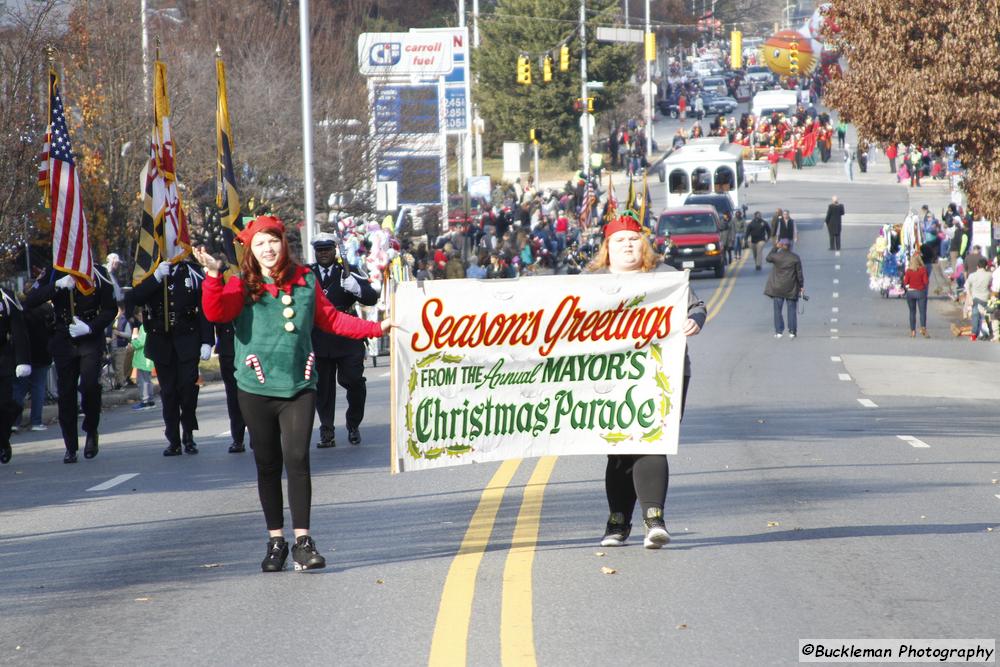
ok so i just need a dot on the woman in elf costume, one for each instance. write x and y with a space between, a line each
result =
274 305
629 478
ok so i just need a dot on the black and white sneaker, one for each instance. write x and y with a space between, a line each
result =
305 555
277 553
617 531
656 531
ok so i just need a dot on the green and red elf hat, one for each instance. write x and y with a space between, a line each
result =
262 223
625 223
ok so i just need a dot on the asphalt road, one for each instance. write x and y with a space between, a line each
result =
796 512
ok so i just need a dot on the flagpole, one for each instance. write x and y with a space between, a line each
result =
307 133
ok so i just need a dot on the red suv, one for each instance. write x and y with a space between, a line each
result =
689 238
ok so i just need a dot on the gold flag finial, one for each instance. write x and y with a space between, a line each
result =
218 51
50 53
156 41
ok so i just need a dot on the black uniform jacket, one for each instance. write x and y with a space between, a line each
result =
14 347
330 345
96 309
174 320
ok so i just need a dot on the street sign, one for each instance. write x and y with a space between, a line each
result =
627 35
595 84
418 176
404 53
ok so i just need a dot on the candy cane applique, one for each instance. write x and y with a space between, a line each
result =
310 361
253 362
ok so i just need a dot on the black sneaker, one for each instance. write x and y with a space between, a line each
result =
70 457
353 435
324 444
172 450
190 448
5 453
237 448
617 531
277 552
656 531
305 555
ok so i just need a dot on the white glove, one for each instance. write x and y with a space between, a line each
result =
78 328
162 271
350 284
206 351
66 282
22 370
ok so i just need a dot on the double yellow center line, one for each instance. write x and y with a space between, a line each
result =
449 645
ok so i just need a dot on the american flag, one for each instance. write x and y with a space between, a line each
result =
70 241
586 209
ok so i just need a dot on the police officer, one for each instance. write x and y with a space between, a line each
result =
178 335
77 347
226 349
15 357
339 360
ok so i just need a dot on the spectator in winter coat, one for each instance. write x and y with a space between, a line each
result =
785 285
834 219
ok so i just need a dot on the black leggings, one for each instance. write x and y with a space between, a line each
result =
280 429
639 476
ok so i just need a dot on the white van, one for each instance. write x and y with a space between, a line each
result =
709 165
783 101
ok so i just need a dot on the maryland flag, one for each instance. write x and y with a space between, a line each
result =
60 182
612 210
227 198
163 232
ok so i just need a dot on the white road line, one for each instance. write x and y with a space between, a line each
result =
835 309
867 403
998 496
843 377
835 359
836 295
913 442
836 254
224 434
384 375
833 320
114 481
836 281
834 337
836 267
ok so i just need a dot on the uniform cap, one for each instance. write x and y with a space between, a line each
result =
324 239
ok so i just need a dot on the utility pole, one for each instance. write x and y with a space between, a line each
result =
585 116
649 90
307 132
626 13
145 56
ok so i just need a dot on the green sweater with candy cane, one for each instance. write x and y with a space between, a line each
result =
274 355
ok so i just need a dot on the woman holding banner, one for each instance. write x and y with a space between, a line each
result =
639 477
273 307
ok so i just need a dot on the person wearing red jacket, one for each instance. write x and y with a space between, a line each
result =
274 306
915 281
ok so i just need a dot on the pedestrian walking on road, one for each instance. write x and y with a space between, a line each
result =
915 281
977 286
758 234
274 305
849 162
783 227
772 164
834 220
639 477
785 285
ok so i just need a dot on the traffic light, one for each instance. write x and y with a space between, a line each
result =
547 69
524 70
590 105
564 58
650 46
793 58
535 135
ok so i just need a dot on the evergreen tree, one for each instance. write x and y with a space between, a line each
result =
537 29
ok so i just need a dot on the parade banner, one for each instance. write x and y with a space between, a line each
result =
550 365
